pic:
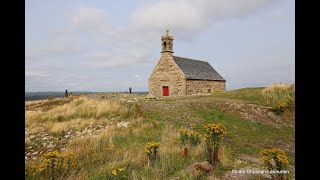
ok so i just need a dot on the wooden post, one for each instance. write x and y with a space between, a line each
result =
185 152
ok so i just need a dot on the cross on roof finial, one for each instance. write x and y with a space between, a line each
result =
167 32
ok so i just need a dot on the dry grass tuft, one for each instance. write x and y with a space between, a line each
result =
281 97
278 89
78 112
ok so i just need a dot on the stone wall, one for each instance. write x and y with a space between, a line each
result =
204 86
167 73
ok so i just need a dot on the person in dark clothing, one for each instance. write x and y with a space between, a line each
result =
66 94
130 89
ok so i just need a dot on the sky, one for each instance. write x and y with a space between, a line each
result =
107 46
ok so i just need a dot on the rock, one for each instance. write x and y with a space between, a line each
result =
122 124
206 166
50 146
35 153
200 168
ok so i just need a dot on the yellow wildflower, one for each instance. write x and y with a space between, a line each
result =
114 172
121 169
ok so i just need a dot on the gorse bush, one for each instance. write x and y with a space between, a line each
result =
280 107
280 97
54 166
189 137
274 159
214 134
275 155
151 149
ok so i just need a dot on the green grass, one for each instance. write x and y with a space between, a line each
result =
246 137
250 95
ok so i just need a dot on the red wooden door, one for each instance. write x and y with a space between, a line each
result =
165 90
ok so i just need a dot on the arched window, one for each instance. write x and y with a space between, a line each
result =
164 46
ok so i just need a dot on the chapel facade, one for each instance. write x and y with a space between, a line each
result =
179 76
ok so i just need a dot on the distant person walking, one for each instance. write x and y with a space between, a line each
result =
66 93
130 89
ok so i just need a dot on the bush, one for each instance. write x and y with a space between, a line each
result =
189 137
274 159
214 134
151 149
54 166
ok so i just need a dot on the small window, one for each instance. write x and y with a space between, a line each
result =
209 90
165 45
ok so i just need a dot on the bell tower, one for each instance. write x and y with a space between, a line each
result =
167 43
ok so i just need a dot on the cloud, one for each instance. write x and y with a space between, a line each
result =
87 17
138 77
102 44
190 17
276 14
89 40
30 73
54 51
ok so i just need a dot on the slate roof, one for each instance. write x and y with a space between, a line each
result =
197 69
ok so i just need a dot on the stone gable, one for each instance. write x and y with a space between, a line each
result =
167 73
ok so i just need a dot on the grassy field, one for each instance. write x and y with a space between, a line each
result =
104 133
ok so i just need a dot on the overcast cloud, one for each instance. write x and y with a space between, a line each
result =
104 46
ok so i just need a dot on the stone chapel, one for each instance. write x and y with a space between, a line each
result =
179 76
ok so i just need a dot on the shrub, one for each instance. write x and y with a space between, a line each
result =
280 107
54 166
213 136
151 149
274 159
189 137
